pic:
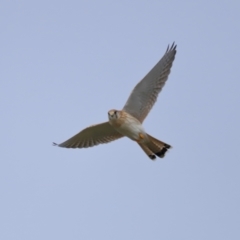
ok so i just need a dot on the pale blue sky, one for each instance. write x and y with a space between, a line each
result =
64 64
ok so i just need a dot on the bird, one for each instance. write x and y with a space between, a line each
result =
128 121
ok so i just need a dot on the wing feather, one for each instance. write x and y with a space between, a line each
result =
145 93
92 136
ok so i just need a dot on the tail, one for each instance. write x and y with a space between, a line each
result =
155 147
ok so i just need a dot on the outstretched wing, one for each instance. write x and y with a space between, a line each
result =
92 136
145 94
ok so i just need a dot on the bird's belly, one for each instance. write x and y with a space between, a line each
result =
132 130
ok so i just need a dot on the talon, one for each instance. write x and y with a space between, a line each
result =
141 136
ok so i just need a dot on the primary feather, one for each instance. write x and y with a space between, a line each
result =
145 93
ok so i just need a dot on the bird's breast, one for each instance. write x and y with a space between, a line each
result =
129 127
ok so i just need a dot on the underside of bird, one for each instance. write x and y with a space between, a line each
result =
154 147
128 121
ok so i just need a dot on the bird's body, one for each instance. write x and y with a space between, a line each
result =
127 125
130 127
128 121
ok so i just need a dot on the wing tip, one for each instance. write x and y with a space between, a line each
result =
55 144
172 48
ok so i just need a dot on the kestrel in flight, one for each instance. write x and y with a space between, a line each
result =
128 121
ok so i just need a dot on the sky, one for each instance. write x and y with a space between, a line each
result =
64 64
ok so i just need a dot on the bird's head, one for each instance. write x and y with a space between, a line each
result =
113 114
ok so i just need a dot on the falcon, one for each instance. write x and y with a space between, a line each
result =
128 121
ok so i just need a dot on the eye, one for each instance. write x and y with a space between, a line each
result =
115 112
